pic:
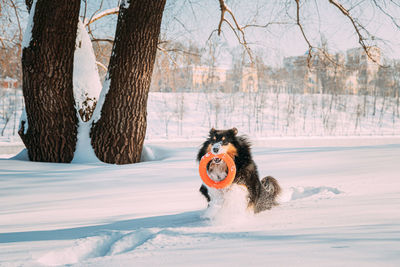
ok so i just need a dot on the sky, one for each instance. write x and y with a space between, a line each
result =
193 21
320 19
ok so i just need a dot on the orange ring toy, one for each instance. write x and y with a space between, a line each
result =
203 170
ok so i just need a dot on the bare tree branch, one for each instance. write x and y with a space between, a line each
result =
2 39
357 27
395 3
168 55
265 25
18 21
310 46
84 11
175 50
182 24
107 12
101 65
236 29
387 14
103 40
94 13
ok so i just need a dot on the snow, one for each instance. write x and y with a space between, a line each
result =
87 88
97 111
28 30
125 4
84 152
339 207
182 115
86 77
188 115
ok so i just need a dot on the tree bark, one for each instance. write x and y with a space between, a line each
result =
118 136
47 68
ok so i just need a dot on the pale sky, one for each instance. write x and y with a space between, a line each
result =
195 20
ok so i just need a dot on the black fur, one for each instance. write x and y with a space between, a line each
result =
262 194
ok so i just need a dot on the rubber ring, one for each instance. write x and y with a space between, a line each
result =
231 170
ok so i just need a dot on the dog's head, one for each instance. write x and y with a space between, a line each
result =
219 141
222 141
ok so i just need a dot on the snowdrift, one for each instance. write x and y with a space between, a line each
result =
339 208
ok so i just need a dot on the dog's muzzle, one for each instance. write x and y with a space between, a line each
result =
217 148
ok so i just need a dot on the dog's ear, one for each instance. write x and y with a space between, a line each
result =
234 131
212 131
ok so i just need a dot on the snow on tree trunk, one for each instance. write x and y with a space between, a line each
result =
23 121
47 68
118 134
87 87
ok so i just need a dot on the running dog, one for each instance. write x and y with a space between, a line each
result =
261 194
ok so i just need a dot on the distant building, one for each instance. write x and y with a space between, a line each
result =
302 78
351 83
200 77
205 75
363 69
289 63
356 69
357 56
9 83
249 80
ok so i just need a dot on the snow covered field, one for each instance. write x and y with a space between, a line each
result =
340 207
183 115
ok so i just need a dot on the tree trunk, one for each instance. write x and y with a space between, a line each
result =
118 136
47 67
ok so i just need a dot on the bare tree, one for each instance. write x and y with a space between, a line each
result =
47 65
49 131
11 12
118 136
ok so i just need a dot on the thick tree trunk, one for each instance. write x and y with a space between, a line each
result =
47 67
117 137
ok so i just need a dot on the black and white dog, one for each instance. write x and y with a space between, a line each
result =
261 194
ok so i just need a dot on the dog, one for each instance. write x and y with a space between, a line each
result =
262 195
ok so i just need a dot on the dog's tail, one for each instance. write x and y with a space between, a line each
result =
271 186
